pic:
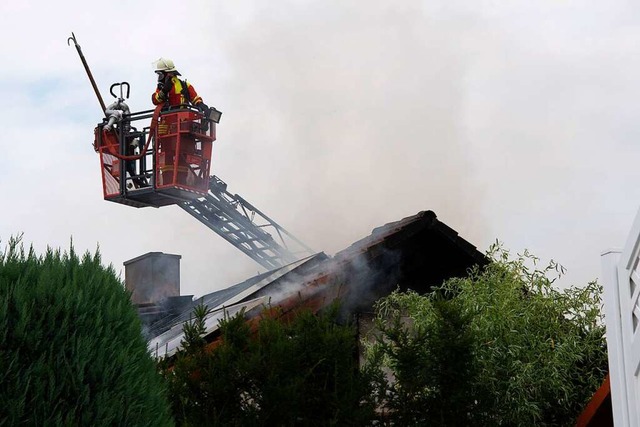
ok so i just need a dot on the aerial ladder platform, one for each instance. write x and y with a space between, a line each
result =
173 169
162 157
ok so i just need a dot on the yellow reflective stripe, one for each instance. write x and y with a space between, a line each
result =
177 86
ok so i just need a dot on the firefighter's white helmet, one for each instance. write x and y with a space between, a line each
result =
165 65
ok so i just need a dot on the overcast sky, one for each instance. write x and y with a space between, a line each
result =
510 120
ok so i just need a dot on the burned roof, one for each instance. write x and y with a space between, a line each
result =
417 252
166 333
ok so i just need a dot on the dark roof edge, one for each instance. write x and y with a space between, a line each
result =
463 244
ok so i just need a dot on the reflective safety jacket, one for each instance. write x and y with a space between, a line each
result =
181 93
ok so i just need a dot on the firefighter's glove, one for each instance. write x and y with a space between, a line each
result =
165 86
203 107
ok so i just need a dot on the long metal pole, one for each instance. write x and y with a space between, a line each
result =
86 68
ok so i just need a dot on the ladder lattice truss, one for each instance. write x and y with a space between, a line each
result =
245 227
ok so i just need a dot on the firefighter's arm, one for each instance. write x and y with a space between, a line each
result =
158 97
193 95
162 91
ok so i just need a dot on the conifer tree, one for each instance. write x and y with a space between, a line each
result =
71 349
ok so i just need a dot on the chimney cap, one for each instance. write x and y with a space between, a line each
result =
149 255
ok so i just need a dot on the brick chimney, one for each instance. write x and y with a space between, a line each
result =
152 277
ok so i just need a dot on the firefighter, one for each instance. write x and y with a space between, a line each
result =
172 90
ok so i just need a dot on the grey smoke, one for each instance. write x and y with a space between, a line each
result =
508 120
349 120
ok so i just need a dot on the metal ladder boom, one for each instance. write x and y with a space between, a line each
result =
245 227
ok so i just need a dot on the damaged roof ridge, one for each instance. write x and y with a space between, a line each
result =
416 252
414 223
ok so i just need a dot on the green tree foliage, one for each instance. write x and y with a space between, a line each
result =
301 372
501 347
71 349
